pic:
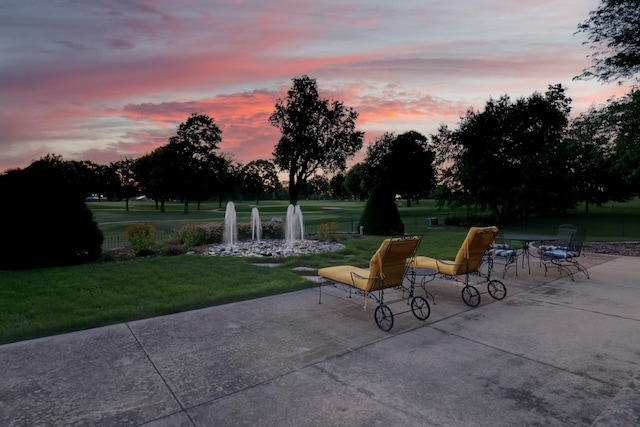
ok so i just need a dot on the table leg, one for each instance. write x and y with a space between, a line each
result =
525 254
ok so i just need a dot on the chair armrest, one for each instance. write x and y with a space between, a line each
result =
357 276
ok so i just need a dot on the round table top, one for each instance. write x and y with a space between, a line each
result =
423 271
529 237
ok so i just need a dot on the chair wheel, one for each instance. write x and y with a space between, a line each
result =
497 289
384 317
420 308
470 296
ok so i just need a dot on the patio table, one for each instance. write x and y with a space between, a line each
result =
525 239
427 274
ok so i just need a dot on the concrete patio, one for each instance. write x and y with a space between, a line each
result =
552 353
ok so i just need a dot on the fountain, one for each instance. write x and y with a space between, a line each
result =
256 225
294 225
294 243
230 234
300 219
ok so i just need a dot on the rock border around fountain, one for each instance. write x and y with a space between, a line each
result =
272 248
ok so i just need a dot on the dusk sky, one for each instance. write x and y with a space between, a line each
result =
101 80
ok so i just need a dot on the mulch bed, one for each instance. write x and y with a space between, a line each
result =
622 249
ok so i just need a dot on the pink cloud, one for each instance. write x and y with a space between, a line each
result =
115 78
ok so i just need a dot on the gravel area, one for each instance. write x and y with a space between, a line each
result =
623 248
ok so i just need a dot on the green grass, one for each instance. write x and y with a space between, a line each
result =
42 302
612 222
35 303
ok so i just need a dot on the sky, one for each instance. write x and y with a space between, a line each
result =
103 80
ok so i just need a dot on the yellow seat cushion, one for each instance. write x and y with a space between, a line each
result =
386 267
469 255
342 274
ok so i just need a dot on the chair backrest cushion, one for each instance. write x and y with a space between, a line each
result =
473 248
391 260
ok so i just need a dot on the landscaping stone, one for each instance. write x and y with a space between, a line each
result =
272 248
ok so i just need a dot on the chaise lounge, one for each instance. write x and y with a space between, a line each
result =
466 263
387 269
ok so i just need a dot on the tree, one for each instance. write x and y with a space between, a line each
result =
336 185
355 183
121 181
144 169
92 177
226 177
404 162
259 178
317 134
192 151
623 115
510 158
594 166
317 186
613 31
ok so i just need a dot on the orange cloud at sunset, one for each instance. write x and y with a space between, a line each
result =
105 80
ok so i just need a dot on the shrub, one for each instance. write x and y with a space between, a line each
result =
380 216
191 235
141 237
327 231
213 231
43 207
244 231
172 249
273 230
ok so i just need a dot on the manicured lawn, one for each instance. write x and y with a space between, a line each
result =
43 302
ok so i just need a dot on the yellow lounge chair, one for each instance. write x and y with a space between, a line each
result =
466 262
387 269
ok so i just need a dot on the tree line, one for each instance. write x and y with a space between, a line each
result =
516 158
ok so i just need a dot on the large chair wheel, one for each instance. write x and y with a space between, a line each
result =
384 317
420 308
497 289
470 296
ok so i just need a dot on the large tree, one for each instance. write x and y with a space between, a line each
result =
317 187
623 114
511 158
259 177
317 134
613 32
336 185
121 180
192 151
355 181
226 176
595 166
404 162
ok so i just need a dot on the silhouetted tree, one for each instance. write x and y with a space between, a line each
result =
317 186
510 158
404 162
623 117
192 152
121 180
355 183
613 32
336 185
317 134
259 177
597 173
